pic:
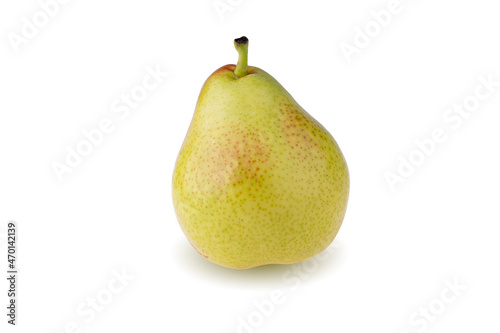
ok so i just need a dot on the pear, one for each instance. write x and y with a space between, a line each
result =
258 180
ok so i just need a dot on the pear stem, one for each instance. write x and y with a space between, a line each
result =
241 45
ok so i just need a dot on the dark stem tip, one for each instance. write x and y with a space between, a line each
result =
241 40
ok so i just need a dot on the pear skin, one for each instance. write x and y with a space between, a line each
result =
258 180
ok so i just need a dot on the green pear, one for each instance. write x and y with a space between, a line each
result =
258 180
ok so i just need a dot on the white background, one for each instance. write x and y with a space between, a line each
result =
397 251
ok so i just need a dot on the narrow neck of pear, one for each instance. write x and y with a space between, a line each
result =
241 45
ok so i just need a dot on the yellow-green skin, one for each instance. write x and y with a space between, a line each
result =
258 180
